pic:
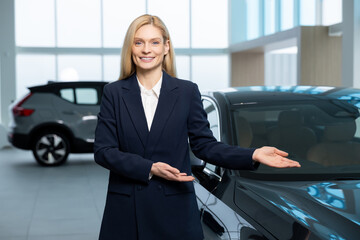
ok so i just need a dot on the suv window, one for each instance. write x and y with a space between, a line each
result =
86 96
67 94
80 95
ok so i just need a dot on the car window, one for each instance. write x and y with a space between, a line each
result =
67 94
86 96
322 135
213 118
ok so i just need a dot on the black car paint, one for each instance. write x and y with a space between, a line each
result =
278 209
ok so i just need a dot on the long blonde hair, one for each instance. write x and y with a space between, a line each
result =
127 66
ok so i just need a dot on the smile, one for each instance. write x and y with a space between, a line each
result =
146 59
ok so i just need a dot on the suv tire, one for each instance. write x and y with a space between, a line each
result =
51 148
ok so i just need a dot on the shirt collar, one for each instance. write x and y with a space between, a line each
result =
155 89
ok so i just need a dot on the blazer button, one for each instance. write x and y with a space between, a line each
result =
159 187
139 188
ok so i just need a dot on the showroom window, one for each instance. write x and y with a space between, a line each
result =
32 70
209 28
287 14
308 12
79 67
80 40
252 19
35 30
78 23
331 12
269 17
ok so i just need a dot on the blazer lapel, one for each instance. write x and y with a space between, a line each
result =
166 103
132 99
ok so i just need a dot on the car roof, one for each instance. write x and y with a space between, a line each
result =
259 94
51 86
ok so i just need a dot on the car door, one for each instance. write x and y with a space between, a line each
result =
78 109
219 220
207 180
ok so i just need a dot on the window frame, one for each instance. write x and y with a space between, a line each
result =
218 171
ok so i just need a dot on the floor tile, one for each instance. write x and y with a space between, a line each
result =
52 203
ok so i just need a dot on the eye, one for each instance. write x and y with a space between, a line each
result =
155 42
137 43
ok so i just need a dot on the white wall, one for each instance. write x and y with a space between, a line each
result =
7 58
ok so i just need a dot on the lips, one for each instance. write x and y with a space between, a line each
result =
146 59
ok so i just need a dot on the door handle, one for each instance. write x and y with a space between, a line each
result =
68 112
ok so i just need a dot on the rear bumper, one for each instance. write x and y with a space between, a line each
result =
21 141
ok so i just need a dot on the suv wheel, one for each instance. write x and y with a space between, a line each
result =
51 148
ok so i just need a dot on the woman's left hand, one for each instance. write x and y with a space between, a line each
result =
273 157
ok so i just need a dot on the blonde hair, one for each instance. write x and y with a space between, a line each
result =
127 66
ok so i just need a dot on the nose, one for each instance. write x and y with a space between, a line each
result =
146 48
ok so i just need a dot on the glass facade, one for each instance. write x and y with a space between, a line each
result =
81 40
79 67
78 23
32 70
251 19
35 30
209 24
48 30
308 12
332 12
269 17
286 14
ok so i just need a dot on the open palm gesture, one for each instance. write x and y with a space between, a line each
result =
273 157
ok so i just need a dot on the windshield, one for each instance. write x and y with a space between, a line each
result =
324 136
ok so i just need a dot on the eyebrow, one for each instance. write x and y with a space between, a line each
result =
149 39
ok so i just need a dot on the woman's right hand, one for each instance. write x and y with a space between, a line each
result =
167 172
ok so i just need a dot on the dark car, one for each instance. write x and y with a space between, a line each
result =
317 126
56 119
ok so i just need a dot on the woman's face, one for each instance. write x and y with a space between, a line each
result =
149 48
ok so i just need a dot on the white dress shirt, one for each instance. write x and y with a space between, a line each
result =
150 100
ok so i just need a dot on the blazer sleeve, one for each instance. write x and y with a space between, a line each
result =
205 146
106 146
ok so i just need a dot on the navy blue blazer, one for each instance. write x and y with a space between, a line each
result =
139 208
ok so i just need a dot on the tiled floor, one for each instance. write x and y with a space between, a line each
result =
58 203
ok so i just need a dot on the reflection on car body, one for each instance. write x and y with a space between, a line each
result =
317 126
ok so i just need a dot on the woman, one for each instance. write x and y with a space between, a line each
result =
144 124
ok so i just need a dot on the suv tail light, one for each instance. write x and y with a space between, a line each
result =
20 111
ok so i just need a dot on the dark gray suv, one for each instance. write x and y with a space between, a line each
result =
56 119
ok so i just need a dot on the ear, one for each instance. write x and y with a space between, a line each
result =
167 46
